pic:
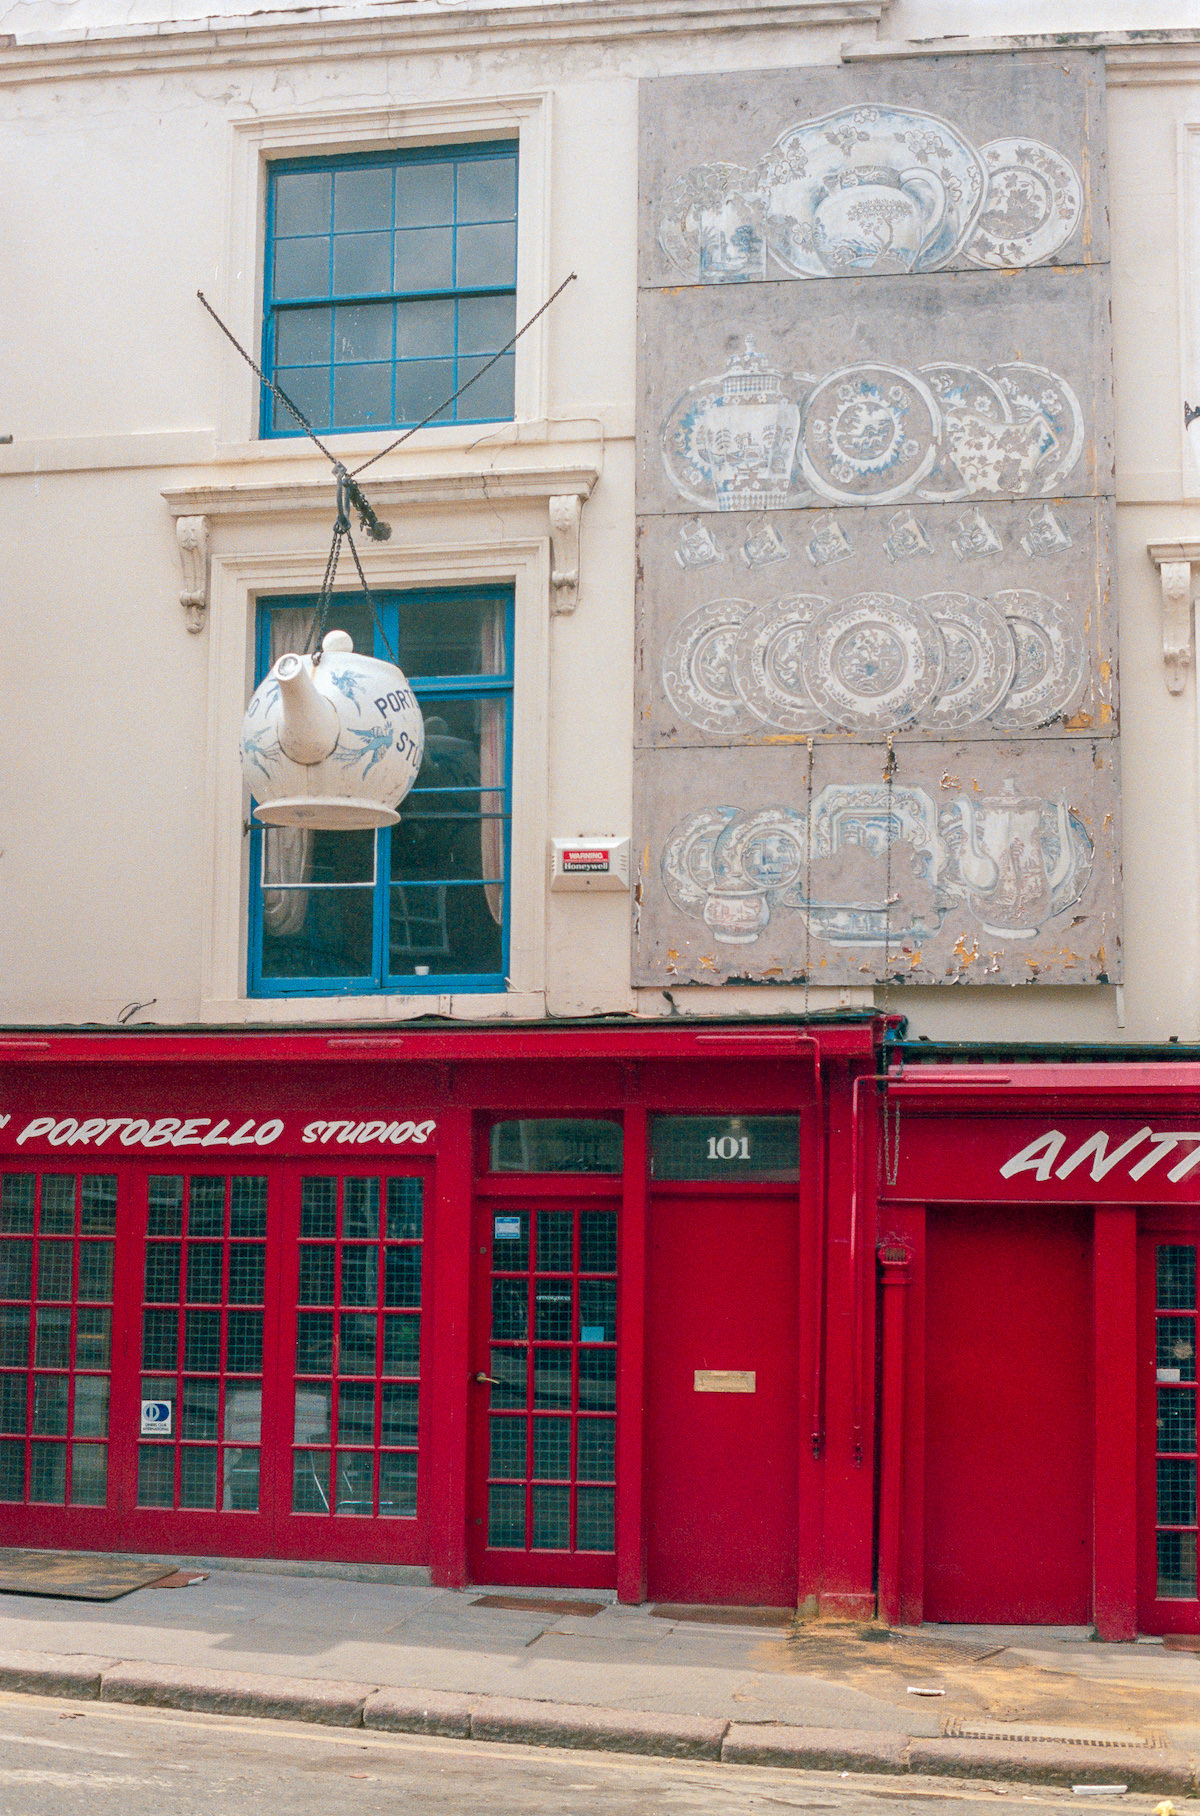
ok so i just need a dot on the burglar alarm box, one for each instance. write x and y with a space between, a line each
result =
589 863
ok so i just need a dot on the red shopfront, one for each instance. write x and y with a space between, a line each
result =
1038 1235
561 1307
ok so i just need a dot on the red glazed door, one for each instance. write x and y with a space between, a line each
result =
1008 1416
721 1386
545 1367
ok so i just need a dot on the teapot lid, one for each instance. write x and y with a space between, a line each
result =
337 642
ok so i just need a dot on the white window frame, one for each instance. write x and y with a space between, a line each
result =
238 580
256 142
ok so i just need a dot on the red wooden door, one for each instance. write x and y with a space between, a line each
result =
1008 1416
722 1465
544 1360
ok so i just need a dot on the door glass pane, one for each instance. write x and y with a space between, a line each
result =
725 1147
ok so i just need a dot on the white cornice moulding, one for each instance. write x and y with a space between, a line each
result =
1176 563
1132 59
367 31
301 497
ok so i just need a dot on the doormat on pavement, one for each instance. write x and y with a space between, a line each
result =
724 1617
82 1576
528 1604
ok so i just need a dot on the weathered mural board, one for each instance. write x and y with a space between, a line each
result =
875 498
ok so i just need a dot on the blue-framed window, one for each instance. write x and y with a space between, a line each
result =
390 281
421 906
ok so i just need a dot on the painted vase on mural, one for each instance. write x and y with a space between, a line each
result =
747 436
876 219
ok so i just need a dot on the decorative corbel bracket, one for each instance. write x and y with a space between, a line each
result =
1177 563
192 536
566 512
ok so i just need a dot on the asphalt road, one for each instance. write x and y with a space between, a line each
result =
75 1759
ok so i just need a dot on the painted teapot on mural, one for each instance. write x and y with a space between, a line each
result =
873 218
1021 859
332 741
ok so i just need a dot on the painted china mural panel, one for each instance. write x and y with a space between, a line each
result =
934 622
923 165
875 497
943 390
950 863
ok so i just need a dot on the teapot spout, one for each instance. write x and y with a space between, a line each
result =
308 728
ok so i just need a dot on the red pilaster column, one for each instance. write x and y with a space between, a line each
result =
1115 1397
447 1344
847 1577
894 1258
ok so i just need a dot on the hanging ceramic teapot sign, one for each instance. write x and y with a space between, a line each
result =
332 741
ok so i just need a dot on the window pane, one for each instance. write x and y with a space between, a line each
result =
356 1341
206 1210
156 1475
360 1208
16 1269
422 386
552 1449
596 1450
506 1515
362 264
52 1347
89 1475
551 1519
13 1396
1176 1276
198 1409
402 1343
91 1406
363 331
404 1202
330 933
486 256
308 388
594 1520
48 1473
486 323
424 194
318 1207
162 1273
489 398
424 259
302 201
166 1206
198 1477
356 1412
240 1488
302 268
402 1280
95 1270
425 330
360 1275
316 1274
12 1471
243 1343
302 337
58 1202
310 1482
14 1335
314 1413
355 1483
50 1394
399 1418
507 1450
362 197
54 1270
98 1210
16 1202
398 1485
487 188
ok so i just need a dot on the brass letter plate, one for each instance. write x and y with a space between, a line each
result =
724 1380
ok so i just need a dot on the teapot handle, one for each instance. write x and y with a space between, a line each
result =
933 201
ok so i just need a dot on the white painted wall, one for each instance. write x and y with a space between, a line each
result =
122 172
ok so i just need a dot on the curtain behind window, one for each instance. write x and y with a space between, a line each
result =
287 850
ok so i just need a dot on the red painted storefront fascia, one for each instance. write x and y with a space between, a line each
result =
452 1077
1101 1138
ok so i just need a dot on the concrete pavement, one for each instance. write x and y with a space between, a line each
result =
1035 1705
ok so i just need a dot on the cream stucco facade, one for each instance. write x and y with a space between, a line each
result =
135 144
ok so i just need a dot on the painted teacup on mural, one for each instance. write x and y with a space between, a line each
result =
873 219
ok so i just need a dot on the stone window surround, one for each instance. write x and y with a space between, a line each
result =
255 141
